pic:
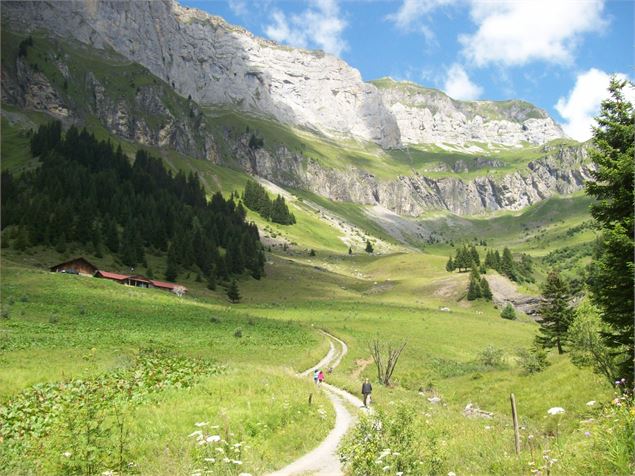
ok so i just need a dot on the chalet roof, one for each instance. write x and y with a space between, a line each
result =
139 277
109 275
166 285
72 261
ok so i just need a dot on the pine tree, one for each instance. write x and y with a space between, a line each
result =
211 281
474 256
508 312
556 313
474 288
507 264
171 268
611 272
369 247
449 267
486 292
232 292
350 250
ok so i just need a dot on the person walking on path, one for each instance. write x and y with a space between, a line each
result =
320 377
367 389
316 374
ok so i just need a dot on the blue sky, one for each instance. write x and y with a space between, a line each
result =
557 54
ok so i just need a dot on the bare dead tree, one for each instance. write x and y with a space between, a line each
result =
385 365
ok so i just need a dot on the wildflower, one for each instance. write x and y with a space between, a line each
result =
618 382
617 402
201 424
220 450
487 427
196 474
197 433
244 474
530 437
399 473
67 454
385 468
212 438
226 460
451 473
210 460
555 411
587 433
237 462
590 403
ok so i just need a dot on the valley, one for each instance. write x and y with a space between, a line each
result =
385 180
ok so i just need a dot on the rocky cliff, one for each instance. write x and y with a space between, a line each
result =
215 63
563 169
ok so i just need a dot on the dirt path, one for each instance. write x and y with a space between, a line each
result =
323 460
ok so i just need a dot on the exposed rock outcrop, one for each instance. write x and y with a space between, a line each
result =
562 170
220 64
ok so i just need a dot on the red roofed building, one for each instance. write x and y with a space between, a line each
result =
140 281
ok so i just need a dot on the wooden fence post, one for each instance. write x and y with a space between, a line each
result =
515 419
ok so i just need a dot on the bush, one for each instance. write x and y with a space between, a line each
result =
54 319
491 357
214 320
509 312
5 313
532 360
238 333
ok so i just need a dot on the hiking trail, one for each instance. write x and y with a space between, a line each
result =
324 460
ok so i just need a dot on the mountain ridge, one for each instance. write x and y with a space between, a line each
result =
216 63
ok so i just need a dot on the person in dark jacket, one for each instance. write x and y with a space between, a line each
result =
367 389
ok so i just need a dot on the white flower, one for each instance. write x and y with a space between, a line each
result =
107 473
399 473
212 438
201 424
487 427
237 462
451 473
385 468
210 460
555 411
196 474
67 454
197 433
591 403
244 474
226 460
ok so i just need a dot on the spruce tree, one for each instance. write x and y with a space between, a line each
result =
508 312
474 288
449 267
232 292
556 313
474 256
612 270
350 250
507 264
486 292
171 268
211 281
369 247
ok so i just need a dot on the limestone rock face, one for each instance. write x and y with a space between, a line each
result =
427 116
216 63
562 170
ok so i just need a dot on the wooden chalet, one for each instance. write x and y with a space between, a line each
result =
83 267
138 280
75 266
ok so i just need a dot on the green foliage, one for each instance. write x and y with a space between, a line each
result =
24 45
612 271
508 312
450 266
587 347
474 287
532 360
233 294
255 198
486 292
555 312
393 442
85 189
369 247
492 357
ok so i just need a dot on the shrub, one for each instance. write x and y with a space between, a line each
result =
238 333
532 360
509 312
214 320
5 313
491 357
54 319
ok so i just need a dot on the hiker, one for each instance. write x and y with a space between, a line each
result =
367 389
320 377
316 374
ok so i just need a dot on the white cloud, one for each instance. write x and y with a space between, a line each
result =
515 33
583 102
320 26
411 11
238 7
459 86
